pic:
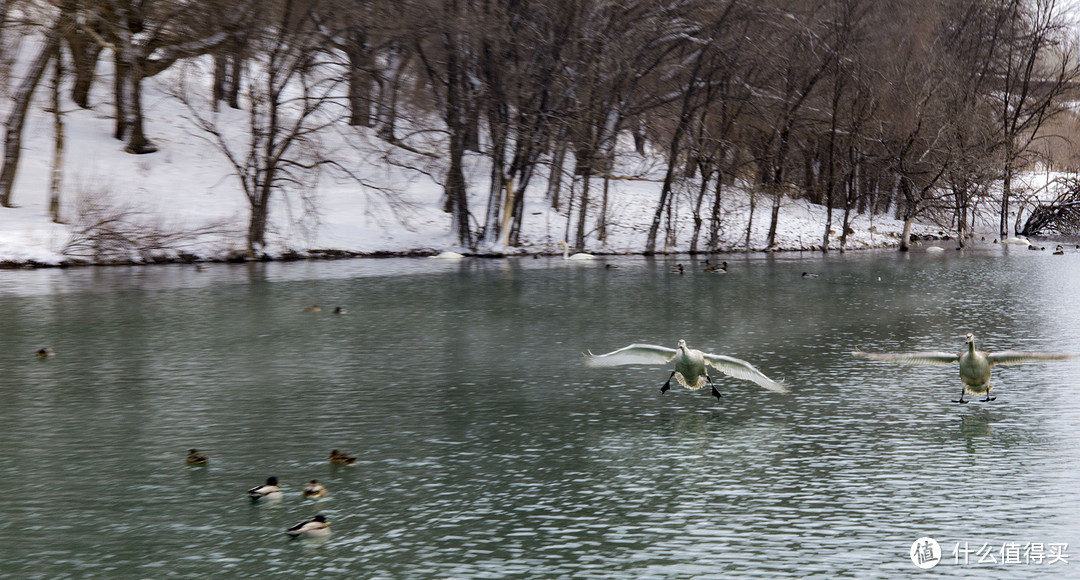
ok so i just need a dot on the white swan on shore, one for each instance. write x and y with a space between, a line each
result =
1017 241
975 365
447 256
580 256
690 365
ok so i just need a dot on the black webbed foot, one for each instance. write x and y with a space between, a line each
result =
961 401
716 393
987 399
665 388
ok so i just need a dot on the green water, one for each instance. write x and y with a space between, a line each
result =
487 450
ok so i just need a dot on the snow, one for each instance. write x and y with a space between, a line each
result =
188 190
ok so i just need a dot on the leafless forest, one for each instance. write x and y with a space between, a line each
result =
925 108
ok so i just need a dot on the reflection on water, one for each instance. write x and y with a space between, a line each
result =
488 450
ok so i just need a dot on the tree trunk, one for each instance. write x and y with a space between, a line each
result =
579 238
121 98
555 176
257 225
361 63
17 116
56 182
137 143
697 210
455 190
1006 193
905 238
84 58
217 89
601 226
714 219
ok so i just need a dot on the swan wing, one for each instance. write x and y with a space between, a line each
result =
911 358
630 355
1016 356
741 369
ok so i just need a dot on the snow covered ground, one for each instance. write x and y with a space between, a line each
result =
188 187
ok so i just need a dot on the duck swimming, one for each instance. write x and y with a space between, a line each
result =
975 365
314 490
268 491
690 365
314 528
195 457
338 458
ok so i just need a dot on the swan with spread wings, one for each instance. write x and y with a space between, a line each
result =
690 365
975 365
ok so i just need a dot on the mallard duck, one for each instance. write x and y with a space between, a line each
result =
314 490
678 269
313 308
268 491
809 275
195 457
314 528
719 269
690 365
1059 250
340 310
45 352
975 365
338 458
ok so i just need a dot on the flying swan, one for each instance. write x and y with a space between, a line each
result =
974 364
690 365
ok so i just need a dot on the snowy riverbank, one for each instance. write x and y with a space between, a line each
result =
184 203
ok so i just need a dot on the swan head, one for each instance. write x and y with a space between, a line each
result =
682 344
969 338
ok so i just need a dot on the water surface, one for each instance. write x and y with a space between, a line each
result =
487 450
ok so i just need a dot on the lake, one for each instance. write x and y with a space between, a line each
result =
486 449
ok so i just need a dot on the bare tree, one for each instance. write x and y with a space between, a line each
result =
13 127
290 101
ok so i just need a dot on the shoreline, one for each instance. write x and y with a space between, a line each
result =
325 254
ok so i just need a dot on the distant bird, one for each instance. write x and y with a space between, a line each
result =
934 250
611 266
200 267
678 269
45 352
340 310
720 269
314 528
809 275
313 308
314 490
338 458
1017 241
268 491
1059 250
196 457
578 257
975 365
690 365
447 256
